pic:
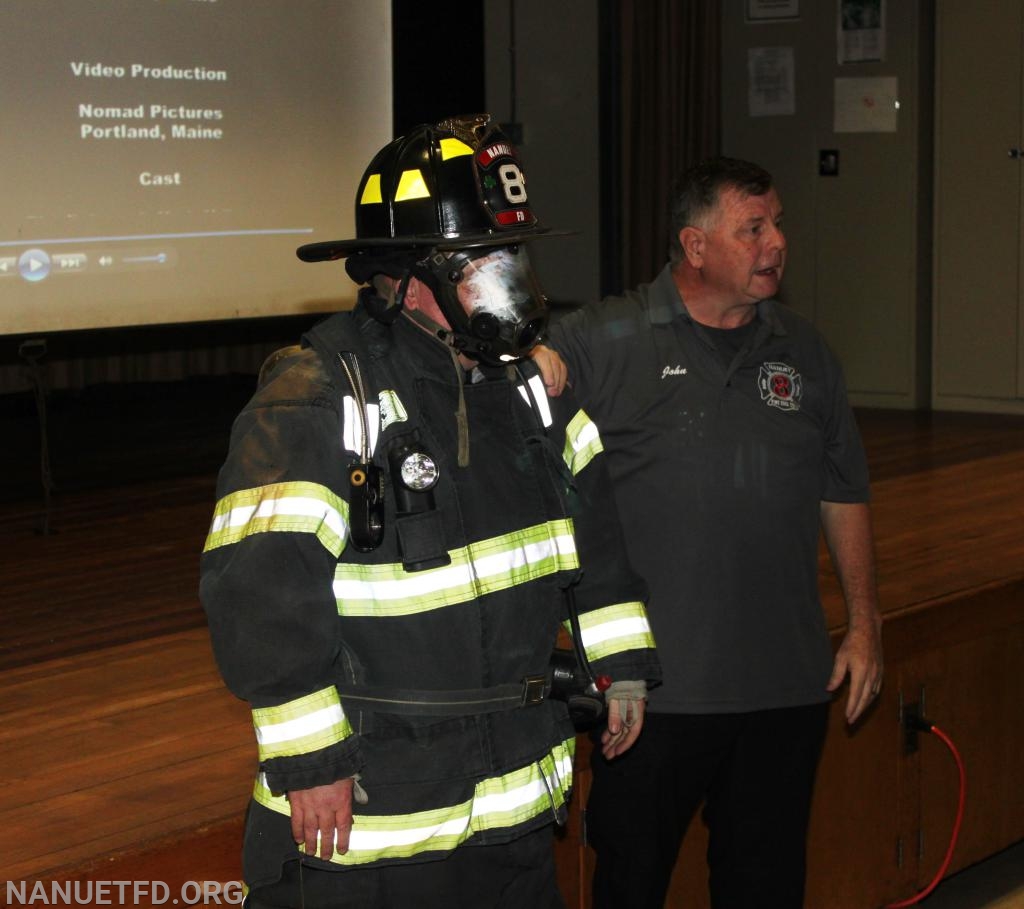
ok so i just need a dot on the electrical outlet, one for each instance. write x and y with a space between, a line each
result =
912 719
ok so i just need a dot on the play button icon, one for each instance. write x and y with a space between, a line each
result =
34 265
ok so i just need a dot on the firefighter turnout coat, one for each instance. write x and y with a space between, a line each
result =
403 642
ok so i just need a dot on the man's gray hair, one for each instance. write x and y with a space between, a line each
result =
697 191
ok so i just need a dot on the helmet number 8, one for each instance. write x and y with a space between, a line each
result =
513 183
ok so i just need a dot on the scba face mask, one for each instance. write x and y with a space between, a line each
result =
492 301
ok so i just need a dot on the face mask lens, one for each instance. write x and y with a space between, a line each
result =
530 333
485 326
501 284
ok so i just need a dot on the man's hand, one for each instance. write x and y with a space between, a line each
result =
847 529
552 369
323 810
860 656
625 720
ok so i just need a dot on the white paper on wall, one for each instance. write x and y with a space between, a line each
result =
771 81
866 105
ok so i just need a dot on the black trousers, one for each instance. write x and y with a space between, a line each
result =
516 875
755 773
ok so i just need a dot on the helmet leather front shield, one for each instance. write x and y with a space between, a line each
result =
492 301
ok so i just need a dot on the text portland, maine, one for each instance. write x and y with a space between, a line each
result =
160 121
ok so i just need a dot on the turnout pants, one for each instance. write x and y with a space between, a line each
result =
755 774
516 875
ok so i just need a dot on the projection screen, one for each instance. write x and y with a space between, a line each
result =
162 159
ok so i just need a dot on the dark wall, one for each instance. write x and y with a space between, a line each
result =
438 60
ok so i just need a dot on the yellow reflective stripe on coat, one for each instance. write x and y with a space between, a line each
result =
582 442
298 507
298 727
480 568
615 629
497 802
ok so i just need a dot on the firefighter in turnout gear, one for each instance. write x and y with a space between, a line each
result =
405 523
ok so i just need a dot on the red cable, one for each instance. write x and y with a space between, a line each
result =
956 825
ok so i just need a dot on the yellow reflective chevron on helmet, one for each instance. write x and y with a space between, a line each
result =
411 186
371 192
454 148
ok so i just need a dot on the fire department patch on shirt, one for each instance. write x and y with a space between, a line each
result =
780 386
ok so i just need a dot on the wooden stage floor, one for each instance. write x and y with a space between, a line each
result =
122 756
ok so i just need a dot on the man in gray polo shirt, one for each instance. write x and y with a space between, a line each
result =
730 442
